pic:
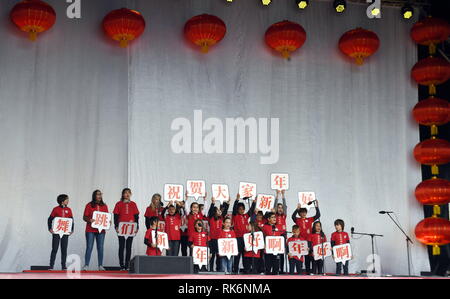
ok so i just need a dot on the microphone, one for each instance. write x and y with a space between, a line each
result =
310 203
385 212
352 230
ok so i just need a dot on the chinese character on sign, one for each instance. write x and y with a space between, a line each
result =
220 192
196 189
257 244
247 190
342 253
279 181
173 192
306 197
102 220
127 229
298 248
227 247
265 202
322 252
162 240
200 256
274 245
62 226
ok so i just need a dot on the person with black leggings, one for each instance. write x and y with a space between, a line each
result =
61 211
125 211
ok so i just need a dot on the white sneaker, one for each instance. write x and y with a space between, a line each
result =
101 268
85 268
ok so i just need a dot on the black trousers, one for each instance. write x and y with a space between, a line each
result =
174 246
339 268
184 245
252 265
272 263
317 267
308 260
125 245
214 250
295 264
56 240
237 258
282 263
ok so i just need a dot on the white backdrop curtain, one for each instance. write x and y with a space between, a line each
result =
78 113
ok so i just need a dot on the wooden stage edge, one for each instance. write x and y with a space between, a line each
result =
41 274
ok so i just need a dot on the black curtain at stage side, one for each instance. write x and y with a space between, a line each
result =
441 263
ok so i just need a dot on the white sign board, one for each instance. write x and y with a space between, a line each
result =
228 247
196 189
102 221
247 190
306 197
298 248
342 253
254 243
275 245
265 202
127 229
162 241
173 192
220 192
200 255
62 226
320 253
279 181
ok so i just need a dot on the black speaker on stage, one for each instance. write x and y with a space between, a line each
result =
143 264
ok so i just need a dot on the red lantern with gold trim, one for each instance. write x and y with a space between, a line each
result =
124 25
434 191
205 31
33 16
429 32
433 152
432 112
285 37
431 71
433 231
359 44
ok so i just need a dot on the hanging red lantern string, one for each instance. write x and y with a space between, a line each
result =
205 31
33 16
430 72
433 152
433 231
429 32
285 37
124 25
359 44
434 192
432 112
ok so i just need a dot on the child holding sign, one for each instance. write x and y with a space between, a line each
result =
215 226
154 209
252 261
152 248
198 238
227 263
92 234
271 228
317 237
339 238
295 262
172 227
280 212
125 211
305 225
61 211
240 223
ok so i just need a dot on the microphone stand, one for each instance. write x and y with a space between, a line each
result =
321 238
373 248
408 239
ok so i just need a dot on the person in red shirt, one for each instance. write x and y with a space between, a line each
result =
295 262
215 220
305 225
152 248
315 238
61 211
194 214
271 228
260 220
92 234
240 226
154 209
227 232
125 211
172 227
199 238
252 261
280 212
339 237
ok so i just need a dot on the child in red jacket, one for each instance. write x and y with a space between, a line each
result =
199 238
173 227
227 232
215 216
315 238
339 237
152 248
272 229
295 262
252 261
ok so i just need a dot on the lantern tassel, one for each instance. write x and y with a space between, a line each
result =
434 130
359 60
286 54
432 89
204 48
436 250
123 43
32 35
436 210
432 49
434 170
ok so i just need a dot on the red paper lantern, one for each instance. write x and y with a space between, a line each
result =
205 31
432 151
359 44
433 231
124 25
429 32
434 191
431 71
285 37
33 16
432 112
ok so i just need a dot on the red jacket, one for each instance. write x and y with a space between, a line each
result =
281 220
149 212
339 238
191 218
126 211
89 211
173 224
269 230
229 234
316 239
215 226
240 223
305 225
291 239
150 249
199 239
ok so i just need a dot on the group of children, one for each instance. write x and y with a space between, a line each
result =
193 228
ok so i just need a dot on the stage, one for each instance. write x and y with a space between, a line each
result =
29 274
